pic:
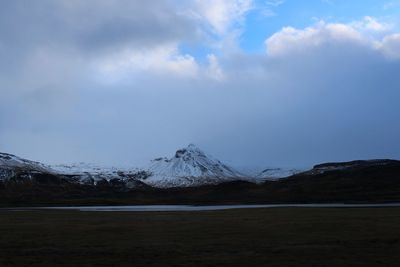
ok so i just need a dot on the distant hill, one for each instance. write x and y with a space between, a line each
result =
189 167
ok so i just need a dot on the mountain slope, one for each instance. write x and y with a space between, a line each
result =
10 165
189 167
273 174
85 173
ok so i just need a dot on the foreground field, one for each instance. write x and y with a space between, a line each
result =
259 237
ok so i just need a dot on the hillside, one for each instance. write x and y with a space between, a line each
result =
367 182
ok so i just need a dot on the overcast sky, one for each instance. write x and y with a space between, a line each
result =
254 83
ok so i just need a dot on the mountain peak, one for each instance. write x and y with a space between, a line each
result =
192 147
190 151
189 166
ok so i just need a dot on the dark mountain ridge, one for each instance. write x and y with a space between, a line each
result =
355 163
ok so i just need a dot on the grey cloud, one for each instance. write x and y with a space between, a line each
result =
65 31
338 106
332 102
92 24
50 45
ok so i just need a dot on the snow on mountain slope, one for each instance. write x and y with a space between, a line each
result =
91 173
9 164
189 167
82 168
274 174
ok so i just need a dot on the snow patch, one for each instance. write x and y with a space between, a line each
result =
274 174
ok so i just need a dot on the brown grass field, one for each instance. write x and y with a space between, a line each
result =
252 237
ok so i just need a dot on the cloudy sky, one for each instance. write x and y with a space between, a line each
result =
253 82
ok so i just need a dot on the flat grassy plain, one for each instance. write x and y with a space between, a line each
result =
246 237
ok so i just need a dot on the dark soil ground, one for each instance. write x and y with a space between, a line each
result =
252 237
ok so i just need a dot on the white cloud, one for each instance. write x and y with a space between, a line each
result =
214 69
390 5
289 39
267 8
222 22
161 60
222 15
362 33
390 46
166 61
275 3
371 24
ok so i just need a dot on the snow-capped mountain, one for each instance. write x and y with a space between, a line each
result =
10 164
273 174
189 167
